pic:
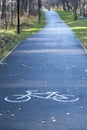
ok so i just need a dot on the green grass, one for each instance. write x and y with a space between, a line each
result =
79 26
9 38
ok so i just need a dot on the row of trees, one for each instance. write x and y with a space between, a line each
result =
75 5
71 5
8 11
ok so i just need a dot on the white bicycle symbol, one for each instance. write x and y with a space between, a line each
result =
18 98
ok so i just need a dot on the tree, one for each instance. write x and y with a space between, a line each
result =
3 9
67 4
74 4
4 15
64 5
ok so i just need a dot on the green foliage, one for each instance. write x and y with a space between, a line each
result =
79 26
9 38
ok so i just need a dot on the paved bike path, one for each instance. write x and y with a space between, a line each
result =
52 60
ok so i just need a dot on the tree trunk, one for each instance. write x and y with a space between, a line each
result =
75 15
3 9
4 15
28 7
30 2
74 4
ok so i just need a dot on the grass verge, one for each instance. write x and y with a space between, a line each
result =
9 38
79 26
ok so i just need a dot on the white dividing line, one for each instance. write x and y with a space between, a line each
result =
64 51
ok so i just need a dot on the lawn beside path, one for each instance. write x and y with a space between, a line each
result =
79 27
9 38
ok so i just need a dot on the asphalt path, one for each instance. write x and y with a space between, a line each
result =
43 82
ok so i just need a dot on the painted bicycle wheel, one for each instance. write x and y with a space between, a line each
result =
18 98
65 98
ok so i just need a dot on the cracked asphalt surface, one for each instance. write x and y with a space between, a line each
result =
47 76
